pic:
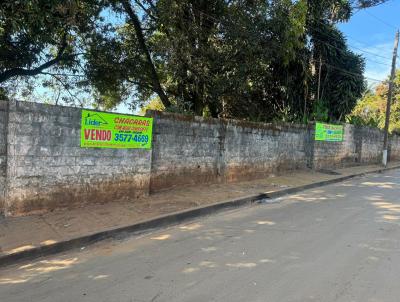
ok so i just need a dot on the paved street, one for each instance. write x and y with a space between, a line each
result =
335 243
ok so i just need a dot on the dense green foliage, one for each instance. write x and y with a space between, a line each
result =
371 109
39 35
341 80
248 59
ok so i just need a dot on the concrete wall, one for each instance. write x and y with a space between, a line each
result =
370 144
337 154
361 145
43 167
394 147
189 150
47 168
185 150
3 152
253 150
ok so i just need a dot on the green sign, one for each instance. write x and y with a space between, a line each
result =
110 130
328 132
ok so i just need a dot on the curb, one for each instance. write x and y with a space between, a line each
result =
166 220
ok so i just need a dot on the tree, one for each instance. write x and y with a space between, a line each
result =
42 35
153 104
371 108
255 60
339 82
120 59
362 4
273 84
133 18
186 39
238 59
337 73
214 56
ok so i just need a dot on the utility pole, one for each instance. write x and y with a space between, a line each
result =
319 77
389 101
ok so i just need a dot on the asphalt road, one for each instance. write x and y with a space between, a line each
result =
335 243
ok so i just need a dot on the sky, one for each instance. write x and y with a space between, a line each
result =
371 33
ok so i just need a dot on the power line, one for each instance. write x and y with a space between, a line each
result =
352 46
380 20
324 42
352 73
321 32
347 35
369 52
342 50
358 41
376 62
362 50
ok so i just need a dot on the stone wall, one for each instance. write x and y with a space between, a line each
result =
254 150
394 147
336 154
370 144
43 167
47 168
190 150
186 150
361 145
3 152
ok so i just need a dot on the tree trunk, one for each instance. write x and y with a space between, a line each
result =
142 44
213 109
198 105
